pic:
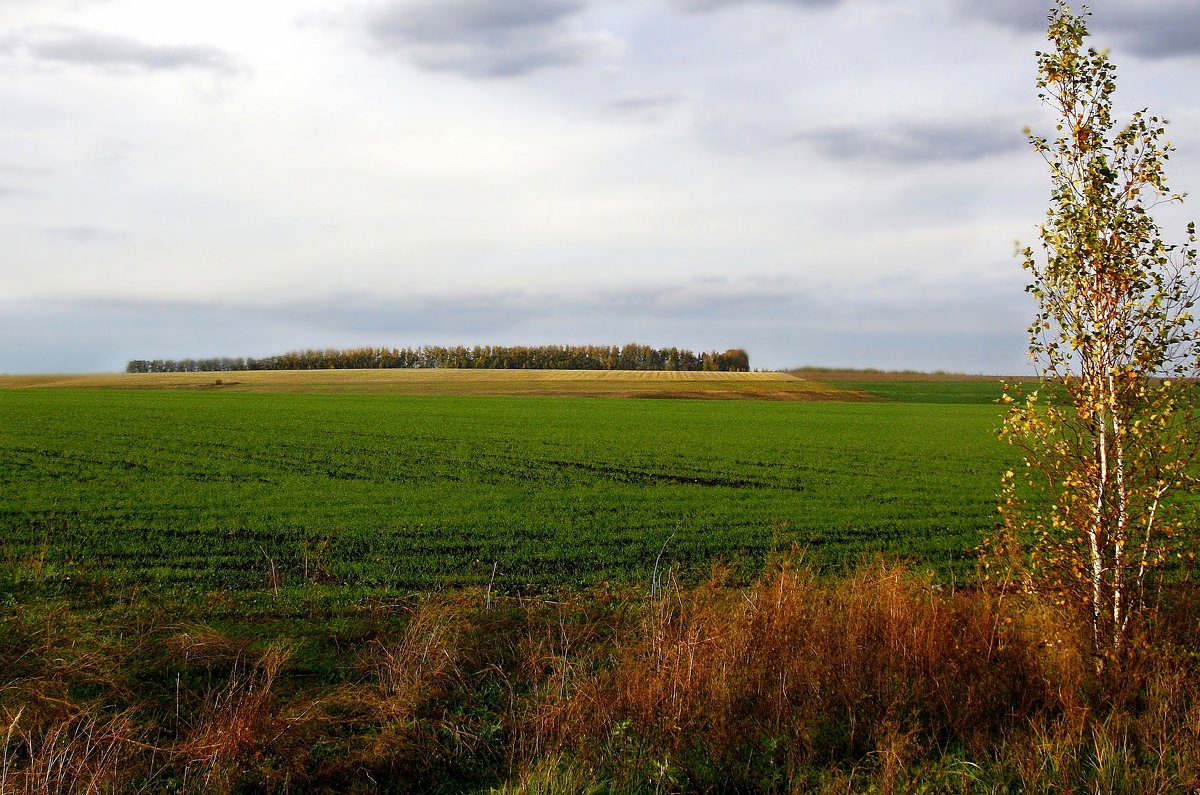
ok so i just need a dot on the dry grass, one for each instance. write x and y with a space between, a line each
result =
879 681
587 383
793 675
234 724
81 751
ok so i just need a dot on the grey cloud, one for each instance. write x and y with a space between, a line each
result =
1148 28
115 53
709 5
917 142
1160 33
448 20
650 108
436 316
484 38
431 318
1023 15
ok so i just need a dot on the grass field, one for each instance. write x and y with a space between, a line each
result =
975 392
366 479
221 588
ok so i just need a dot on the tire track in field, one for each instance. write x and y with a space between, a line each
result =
632 475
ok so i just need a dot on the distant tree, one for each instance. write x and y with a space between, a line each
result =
735 359
1108 436
548 357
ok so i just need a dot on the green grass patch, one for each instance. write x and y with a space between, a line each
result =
966 392
220 489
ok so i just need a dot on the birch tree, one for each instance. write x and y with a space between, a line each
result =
1109 433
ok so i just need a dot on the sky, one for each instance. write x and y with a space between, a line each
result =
819 182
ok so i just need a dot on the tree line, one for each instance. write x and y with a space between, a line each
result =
541 357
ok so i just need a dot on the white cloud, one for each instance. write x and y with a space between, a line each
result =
792 180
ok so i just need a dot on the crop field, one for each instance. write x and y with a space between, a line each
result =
239 587
227 487
974 392
452 382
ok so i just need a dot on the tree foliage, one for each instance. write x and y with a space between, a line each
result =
1108 435
493 357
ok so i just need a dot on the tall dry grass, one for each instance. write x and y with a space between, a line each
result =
880 679
234 724
877 681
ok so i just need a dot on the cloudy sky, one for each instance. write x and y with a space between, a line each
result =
827 182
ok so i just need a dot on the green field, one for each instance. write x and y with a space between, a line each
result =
237 587
976 392
220 488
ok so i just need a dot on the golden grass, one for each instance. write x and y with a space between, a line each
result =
567 383
879 681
